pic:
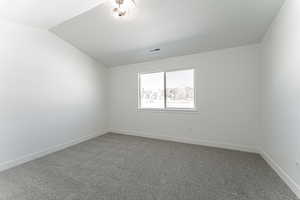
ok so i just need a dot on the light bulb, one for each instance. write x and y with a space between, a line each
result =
123 8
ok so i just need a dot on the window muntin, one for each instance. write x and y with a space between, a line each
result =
171 90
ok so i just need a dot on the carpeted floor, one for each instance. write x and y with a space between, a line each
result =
118 167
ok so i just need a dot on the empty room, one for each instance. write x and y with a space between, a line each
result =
149 100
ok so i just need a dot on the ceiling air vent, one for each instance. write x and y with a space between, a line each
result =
156 50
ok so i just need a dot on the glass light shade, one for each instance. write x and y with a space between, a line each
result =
124 9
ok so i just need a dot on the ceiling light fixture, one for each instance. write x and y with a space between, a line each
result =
123 7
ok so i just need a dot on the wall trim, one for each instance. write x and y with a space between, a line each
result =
275 166
281 172
283 175
29 157
187 140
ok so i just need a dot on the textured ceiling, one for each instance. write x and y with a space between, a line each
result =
177 27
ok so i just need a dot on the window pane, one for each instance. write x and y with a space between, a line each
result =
152 90
180 89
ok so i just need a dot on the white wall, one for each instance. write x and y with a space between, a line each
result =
281 93
50 93
227 83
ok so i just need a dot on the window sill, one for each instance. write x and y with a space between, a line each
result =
170 110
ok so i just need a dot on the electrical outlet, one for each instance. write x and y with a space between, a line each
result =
189 130
298 164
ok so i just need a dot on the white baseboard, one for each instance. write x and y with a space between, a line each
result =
187 140
33 156
281 172
284 176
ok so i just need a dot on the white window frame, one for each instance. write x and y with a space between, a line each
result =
165 92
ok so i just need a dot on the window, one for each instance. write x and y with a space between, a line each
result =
171 90
152 90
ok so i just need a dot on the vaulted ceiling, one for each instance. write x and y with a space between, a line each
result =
177 27
44 13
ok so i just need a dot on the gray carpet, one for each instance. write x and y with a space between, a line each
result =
118 167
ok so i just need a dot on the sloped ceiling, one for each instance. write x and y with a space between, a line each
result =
44 13
177 27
